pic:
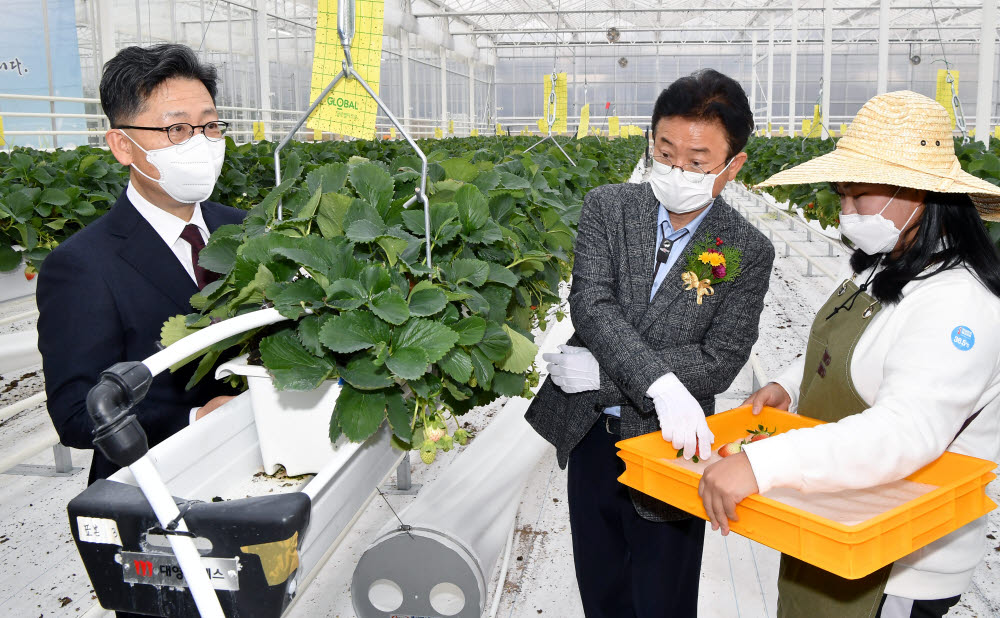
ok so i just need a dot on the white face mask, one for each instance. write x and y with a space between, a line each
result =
873 234
678 194
188 171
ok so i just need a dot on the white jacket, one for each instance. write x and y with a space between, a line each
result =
922 384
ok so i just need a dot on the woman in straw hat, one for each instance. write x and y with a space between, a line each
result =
903 360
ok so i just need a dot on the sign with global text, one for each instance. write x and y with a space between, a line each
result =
347 109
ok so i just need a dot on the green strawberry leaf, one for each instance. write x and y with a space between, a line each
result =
359 413
457 363
496 343
362 373
390 306
470 330
426 299
350 332
292 366
433 338
407 363
522 352
399 415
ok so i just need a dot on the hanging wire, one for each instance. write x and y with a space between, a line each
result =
956 103
208 25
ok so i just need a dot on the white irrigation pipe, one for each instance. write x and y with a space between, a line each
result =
29 446
215 333
503 570
27 315
20 406
145 474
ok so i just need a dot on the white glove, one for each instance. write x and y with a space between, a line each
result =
682 420
574 369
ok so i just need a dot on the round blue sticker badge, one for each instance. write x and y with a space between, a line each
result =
963 338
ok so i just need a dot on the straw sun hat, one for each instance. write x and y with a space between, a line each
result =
902 139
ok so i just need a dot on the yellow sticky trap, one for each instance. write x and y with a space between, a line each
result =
451 127
278 559
843 129
562 108
996 131
781 130
3 142
258 131
392 132
584 128
543 127
499 129
613 130
347 109
317 135
972 133
943 92
438 133
474 133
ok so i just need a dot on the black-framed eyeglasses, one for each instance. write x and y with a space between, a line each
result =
181 132
691 172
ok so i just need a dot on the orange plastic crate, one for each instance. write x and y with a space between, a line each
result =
849 551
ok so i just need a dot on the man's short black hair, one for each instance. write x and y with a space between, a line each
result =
135 72
709 95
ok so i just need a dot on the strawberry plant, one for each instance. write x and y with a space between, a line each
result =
768 156
45 197
415 344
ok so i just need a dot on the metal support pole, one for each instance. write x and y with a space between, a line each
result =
827 82
404 62
984 87
882 84
444 91
63 458
770 74
48 63
753 75
472 95
261 56
403 480
794 68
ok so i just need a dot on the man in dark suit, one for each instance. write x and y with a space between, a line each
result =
647 355
104 294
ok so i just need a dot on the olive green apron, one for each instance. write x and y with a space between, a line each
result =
827 393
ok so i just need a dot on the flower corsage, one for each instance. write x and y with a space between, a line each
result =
711 263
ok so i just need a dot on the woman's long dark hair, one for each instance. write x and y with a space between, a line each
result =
949 220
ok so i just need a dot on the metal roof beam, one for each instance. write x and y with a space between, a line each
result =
671 10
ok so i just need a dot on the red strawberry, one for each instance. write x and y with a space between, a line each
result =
756 435
731 448
30 272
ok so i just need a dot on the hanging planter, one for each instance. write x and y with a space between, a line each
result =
292 426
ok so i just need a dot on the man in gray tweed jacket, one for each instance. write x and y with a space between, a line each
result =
646 355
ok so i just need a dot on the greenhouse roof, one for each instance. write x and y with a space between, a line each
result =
602 22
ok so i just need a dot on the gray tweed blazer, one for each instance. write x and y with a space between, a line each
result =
636 341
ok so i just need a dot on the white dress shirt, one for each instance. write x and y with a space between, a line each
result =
169 227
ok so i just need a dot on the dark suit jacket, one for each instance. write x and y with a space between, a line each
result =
102 297
636 341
